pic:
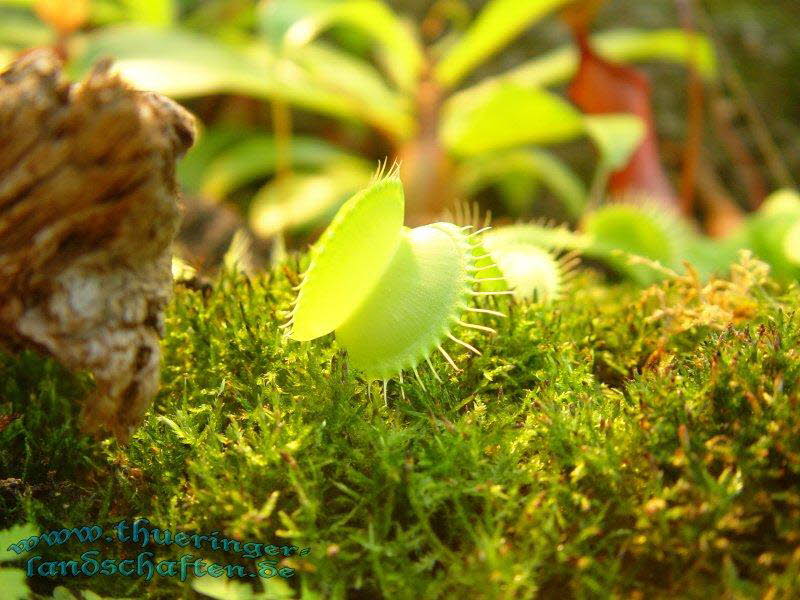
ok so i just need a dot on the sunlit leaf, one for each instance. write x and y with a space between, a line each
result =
620 45
498 23
306 200
399 49
348 77
256 157
483 170
616 137
14 585
182 64
276 17
223 589
231 589
175 62
153 12
21 30
507 116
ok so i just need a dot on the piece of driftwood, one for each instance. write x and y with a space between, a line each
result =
88 212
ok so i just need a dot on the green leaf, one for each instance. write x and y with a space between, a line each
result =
12 536
620 45
277 17
256 157
152 12
616 136
306 200
482 170
345 76
223 589
62 593
14 584
175 62
499 22
183 64
20 30
400 50
507 116
231 589
160 13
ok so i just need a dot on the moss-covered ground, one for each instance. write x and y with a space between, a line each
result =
621 442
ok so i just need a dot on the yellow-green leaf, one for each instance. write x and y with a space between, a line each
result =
498 23
507 116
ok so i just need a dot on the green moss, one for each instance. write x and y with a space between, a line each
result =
618 441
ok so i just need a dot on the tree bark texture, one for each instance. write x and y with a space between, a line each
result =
88 212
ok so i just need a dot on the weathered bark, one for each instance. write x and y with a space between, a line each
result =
88 212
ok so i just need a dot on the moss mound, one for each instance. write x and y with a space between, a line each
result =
620 442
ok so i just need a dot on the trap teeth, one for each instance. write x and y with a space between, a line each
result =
636 227
391 294
409 311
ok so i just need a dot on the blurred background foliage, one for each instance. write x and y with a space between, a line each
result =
300 99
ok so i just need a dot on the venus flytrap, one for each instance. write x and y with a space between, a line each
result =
534 273
391 294
773 232
636 227
535 260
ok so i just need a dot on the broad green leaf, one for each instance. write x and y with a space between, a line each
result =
21 30
400 50
183 64
256 157
152 12
12 536
160 13
14 585
175 62
498 23
276 17
482 170
359 82
621 45
507 116
616 136
306 200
